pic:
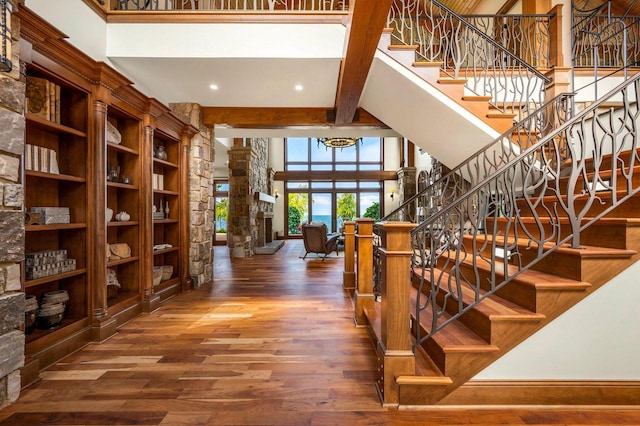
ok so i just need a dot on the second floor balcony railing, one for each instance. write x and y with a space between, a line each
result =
233 5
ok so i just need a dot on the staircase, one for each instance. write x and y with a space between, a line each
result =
539 227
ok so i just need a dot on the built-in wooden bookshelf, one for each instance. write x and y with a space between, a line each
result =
124 181
84 101
166 212
58 179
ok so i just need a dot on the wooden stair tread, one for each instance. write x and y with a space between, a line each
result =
428 64
602 195
501 115
456 337
476 98
495 307
403 47
536 279
630 222
584 252
452 81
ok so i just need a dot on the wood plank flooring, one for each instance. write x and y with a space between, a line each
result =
271 342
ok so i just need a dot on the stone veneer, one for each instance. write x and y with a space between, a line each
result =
12 132
201 200
248 173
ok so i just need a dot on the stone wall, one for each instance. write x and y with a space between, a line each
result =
248 174
201 200
12 128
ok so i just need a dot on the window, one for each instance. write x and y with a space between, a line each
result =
325 199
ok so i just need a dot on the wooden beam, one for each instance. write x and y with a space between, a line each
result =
342 175
280 117
368 19
506 7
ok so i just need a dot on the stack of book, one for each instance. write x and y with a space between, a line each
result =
40 159
43 98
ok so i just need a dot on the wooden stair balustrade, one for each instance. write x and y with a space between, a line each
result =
467 345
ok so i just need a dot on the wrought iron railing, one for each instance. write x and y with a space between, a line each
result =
485 161
235 5
526 36
526 208
606 41
466 52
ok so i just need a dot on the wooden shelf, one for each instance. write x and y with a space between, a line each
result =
54 227
112 263
115 223
51 278
66 322
165 192
122 148
55 176
119 185
165 251
164 221
50 126
165 163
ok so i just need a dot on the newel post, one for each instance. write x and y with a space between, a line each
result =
349 275
364 287
396 345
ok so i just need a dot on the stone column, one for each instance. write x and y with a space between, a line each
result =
201 199
12 132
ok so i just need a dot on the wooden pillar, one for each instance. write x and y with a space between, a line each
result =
364 288
185 148
102 326
395 259
349 275
150 300
556 56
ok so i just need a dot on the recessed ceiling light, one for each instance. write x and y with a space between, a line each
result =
213 86
299 87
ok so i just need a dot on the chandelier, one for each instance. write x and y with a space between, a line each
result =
338 142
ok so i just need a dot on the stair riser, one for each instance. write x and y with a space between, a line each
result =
620 184
629 209
598 234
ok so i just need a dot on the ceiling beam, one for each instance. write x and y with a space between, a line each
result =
280 117
367 20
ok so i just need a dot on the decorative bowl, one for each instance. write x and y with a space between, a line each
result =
50 315
157 275
167 271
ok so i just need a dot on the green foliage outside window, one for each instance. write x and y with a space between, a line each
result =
346 208
373 211
222 213
298 205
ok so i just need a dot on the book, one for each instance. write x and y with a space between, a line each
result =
28 164
57 104
37 95
52 101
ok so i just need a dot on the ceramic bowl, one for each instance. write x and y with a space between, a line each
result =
167 271
157 275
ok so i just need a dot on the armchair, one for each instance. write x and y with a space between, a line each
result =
316 239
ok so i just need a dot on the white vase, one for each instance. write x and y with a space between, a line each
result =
123 216
109 214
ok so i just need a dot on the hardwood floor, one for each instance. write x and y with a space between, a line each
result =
272 341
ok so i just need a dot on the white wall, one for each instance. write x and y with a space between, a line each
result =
86 30
598 339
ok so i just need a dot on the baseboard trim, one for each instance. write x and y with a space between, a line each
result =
546 392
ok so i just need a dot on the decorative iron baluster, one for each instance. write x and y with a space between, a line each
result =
466 52
543 191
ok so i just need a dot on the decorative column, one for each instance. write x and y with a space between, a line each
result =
102 326
349 275
185 217
12 133
150 300
395 259
239 223
364 289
